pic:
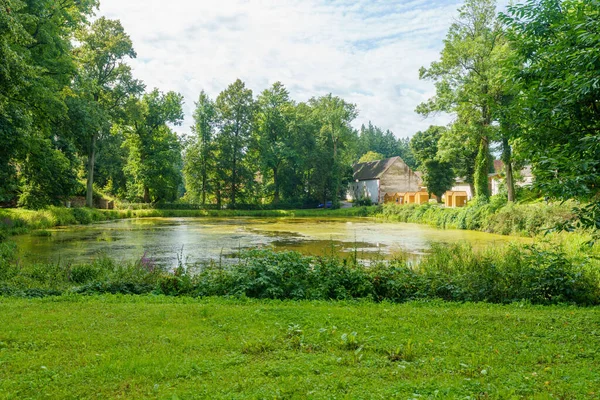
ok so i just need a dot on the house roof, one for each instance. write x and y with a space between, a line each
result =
373 169
498 166
456 193
526 172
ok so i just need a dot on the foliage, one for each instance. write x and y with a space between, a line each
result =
541 273
438 175
154 149
371 156
464 80
103 86
335 135
373 139
36 69
70 108
235 107
47 176
557 71
274 136
198 161
494 216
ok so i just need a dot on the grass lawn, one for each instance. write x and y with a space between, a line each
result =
159 347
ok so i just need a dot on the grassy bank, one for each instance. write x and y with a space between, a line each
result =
545 273
22 220
528 219
160 347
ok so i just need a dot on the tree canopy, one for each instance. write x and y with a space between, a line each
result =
522 85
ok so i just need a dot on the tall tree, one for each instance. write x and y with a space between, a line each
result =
557 57
36 69
154 161
273 133
437 175
371 156
405 152
373 138
303 162
199 159
463 78
334 116
105 83
556 43
458 146
235 107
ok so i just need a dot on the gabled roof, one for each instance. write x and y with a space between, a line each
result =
526 172
373 169
498 166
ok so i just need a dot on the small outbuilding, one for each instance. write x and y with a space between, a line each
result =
421 197
456 199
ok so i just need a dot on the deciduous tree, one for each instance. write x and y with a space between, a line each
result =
235 107
463 78
154 162
104 81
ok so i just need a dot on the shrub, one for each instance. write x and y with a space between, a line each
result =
541 274
495 216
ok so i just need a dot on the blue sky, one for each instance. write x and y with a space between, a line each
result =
367 52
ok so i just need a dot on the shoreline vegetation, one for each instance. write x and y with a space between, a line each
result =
542 273
557 268
527 219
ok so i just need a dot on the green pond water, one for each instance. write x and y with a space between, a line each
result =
193 240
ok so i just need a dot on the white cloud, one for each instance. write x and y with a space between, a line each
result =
367 52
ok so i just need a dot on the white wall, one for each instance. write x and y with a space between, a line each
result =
364 189
496 185
463 187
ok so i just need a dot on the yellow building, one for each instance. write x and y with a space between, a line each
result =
456 199
396 198
421 197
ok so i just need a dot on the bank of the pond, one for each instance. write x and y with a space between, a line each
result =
15 221
165 347
494 217
544 273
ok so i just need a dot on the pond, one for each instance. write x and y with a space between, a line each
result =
193 240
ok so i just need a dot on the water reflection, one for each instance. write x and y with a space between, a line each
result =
203 239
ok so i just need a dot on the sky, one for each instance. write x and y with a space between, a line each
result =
365 51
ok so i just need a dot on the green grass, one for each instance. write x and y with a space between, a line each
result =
17 220
496 216
158 347
528 219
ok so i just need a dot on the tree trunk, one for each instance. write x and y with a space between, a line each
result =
204 181
481 169
218 194
89 195
335 174
146 194
233 179
276 183
507 159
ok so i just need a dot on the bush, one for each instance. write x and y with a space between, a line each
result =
495 216
540 274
